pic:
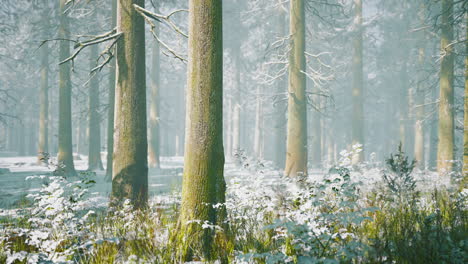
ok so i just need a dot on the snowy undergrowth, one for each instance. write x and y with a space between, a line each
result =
349 215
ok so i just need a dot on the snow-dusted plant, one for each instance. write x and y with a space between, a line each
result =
315 221
55 225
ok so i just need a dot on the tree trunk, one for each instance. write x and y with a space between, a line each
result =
279 105
296 153
154 107
65 151
465 130
228 131
330 147
130 164
94 125
445 149
258 134
358 85
43 150
236 127
409 120
403 105
316 137
433 137
203 182
419 101
110 113
22 139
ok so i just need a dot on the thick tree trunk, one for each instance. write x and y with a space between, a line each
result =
43 150
445 149
94 125
110 113
130 164
203 182
65 151
154 107
296 153
358 85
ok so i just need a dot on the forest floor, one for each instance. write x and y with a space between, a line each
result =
163 181
15 184
369 212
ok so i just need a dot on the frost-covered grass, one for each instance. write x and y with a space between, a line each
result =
350 215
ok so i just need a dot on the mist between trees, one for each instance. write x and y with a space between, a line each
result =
296 87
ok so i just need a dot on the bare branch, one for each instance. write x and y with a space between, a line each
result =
157 17
79 46
161 18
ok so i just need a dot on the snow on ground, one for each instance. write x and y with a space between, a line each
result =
169 178
15 185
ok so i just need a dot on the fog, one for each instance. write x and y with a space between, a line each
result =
149 97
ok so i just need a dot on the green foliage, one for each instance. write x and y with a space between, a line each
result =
331 220
424 231
398 178
409 228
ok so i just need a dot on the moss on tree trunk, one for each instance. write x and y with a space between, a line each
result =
203 180
130 163
465 131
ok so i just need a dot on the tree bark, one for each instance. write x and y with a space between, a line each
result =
296 153
465 130
110 113
203 180
445 149
43 149
65 151
94 125
130 164
154 107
